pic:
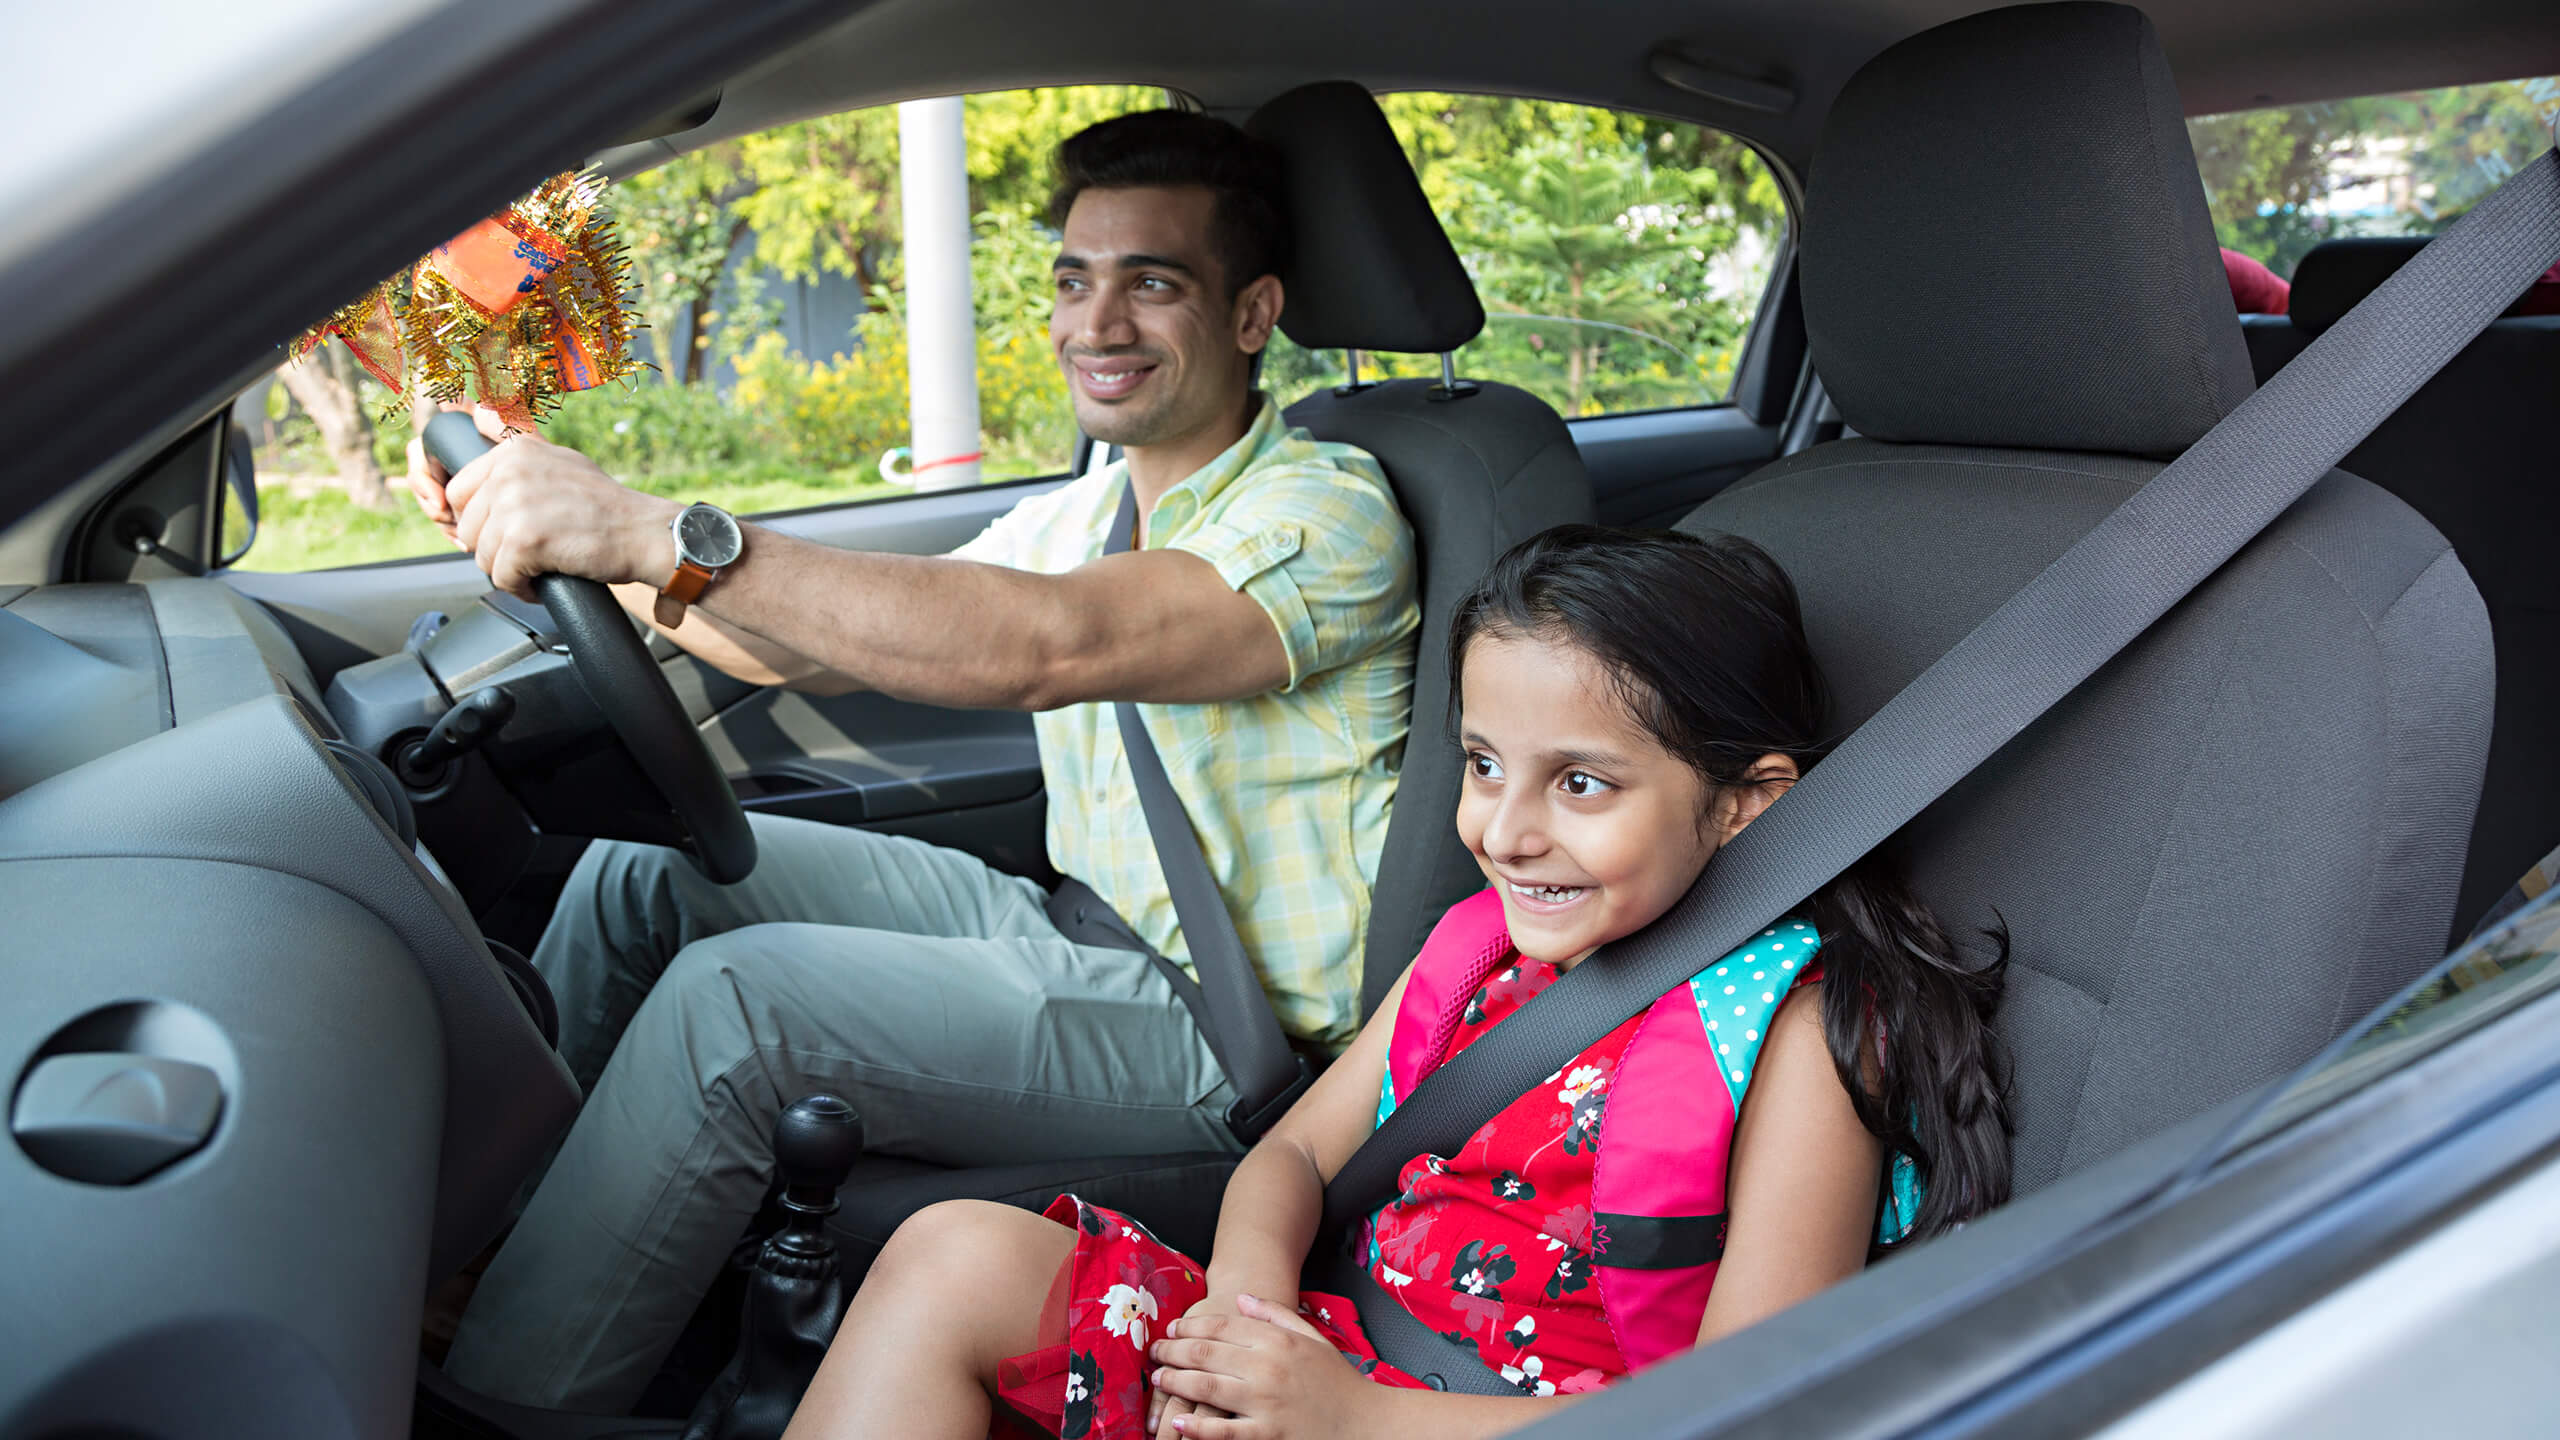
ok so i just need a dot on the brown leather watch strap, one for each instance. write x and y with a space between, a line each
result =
681 589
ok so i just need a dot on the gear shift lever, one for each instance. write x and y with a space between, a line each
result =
795 1294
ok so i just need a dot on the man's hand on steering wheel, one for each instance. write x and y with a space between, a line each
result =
427 475
530 508
550 526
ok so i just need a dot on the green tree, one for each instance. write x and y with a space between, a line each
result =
1591 236
1014 135
825 195
2272 177
821 197
678 223
1579 225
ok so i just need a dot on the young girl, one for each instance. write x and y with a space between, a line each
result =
1628 702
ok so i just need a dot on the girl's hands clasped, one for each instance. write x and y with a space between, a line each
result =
1269 1370
1162 1409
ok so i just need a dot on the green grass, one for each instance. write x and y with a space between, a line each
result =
325 529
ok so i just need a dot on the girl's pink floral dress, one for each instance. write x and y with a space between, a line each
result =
1490 1247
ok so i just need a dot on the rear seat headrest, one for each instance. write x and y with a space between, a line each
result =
1374 270
2337 273
2006 242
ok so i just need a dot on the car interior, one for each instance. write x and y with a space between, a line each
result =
270 844
2450 453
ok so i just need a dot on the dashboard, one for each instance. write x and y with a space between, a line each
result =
266 1078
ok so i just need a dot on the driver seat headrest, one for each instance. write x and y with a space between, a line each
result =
1374 270
2006 242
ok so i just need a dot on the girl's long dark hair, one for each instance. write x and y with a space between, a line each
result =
1706 644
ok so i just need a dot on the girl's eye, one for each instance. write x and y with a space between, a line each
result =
1485 765
1580 783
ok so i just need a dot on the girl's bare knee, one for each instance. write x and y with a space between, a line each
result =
965 1237
982 1269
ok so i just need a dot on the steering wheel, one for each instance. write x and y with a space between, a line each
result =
614 663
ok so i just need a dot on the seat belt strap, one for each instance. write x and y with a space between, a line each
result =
2085 607
1265 1073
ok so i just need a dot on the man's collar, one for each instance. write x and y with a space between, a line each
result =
1203 484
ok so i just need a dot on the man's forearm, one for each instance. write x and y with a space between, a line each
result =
929 629
1162 626
731 650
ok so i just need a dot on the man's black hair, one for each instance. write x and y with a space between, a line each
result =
1166 149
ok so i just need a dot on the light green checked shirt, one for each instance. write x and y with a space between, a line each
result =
1288 790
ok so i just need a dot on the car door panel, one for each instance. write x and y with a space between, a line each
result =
965 778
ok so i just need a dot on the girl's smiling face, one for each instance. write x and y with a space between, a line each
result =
1583 823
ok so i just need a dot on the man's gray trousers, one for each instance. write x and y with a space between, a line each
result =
927 989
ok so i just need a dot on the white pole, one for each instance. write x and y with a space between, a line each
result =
942 345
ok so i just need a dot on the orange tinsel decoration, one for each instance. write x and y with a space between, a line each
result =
531 303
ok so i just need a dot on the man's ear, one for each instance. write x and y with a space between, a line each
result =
1761 785
1257 313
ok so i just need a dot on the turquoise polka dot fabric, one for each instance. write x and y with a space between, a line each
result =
1739 994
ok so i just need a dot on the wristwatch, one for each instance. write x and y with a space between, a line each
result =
707 539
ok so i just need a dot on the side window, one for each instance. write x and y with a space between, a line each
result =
1620 256
773 275
2280 181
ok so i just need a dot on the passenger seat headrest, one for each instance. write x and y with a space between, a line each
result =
2006 242
1374 270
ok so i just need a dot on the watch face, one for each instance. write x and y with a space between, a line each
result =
707 536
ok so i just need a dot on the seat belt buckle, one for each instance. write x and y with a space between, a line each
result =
1251 1124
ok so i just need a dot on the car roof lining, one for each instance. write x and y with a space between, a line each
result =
2226 54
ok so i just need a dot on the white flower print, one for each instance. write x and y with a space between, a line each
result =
1393 1276
1127 1310
1075 1387
1525 1375
1583 1080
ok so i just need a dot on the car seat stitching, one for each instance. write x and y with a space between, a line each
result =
2191 336
2393 724
2144 912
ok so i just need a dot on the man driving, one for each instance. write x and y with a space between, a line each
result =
1264 617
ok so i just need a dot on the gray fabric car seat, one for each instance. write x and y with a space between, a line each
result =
1473 474
2246 829
2472 452
1476 468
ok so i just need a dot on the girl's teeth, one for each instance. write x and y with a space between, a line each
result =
1548 892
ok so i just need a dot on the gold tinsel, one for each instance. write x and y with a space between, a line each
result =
567 325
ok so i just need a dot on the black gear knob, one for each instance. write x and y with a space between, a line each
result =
815 1145
795 1290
